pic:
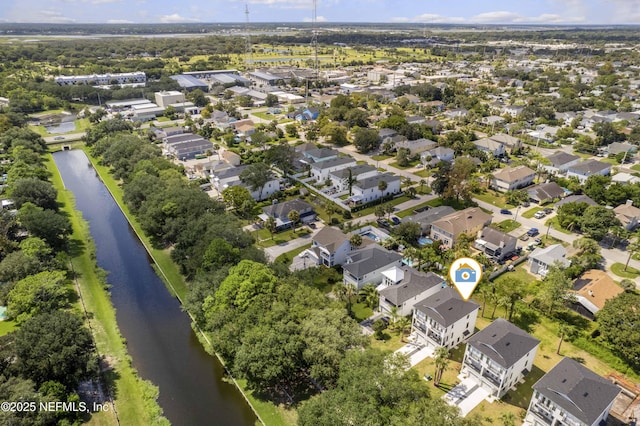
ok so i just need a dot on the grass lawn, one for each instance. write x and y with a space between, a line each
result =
618 269
555 225
390 342
135 398
423 173
361 311
380 157
408 166
7 327
266 116
288 257
529 213
493 199
409 212
450 375
518 274
636 167
265 239
506 226
371 209
547 241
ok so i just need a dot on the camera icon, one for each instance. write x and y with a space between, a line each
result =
465 274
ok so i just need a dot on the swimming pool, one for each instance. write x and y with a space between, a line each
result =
371 235
423 241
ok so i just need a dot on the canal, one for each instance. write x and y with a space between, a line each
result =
160 341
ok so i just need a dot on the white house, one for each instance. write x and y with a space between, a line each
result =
571 394
416 146
560 162
443 319
320 171
587 168
490 146
231 177
402 287
437 155
340 178
329 247
368 190
541 259
365 265
448 228
511 178
499 356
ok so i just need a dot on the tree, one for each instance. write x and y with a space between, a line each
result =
46 224
588 254
335 134
378 327
235 196
382 186
379 211
632 248
411 192
271 225
245 282
403 325
441 361
441 179
281 156
366 140
294 217
54 346
256 175
356 241
218 254
271 100
554 289
198 98
618 322
597 221
346 293
291 130
516 197
36 191
43 292
458 184
407 231
369 295
403 156
565 331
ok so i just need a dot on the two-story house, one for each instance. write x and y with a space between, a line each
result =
511 178
340 178
365 265
571 394
498 356
628 215
443 319
510 143
541 259
320 170
468 221
402 287
280 212
228 177
329 247
368 190
495 244
587 168
543 193
490 146
436 155
318 155
427 217
560 161
416 146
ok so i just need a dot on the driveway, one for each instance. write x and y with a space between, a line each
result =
466 396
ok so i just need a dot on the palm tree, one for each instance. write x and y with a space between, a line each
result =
441 360
508 418
346 293
394 314
355 240
403 325
632 248
564 331
294 217
502 301
422 184
270 224
369 295
382 186
351 181
486 293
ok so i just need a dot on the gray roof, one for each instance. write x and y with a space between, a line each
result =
189 81
320 153
283 209
355 171
446 307
589 167
503 342
413 284
431 215
551 254
576 199
545 191
372 182
618 147
170 140
330 238
369 259
560 158
321 165
230 172
577 390
190 145
496 237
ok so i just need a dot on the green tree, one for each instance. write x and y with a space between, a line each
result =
335 134
245 282
281 156
565 332
220 253
382 186
35 191
403 157
271 225
43 292
369 295
235 196
618 322
46 224
355 241
403 325
256 176
554 289
441 361
346 293
271 100
597 221
294 217
365 140
407 231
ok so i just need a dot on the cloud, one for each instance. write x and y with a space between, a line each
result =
49 16
318 19
431 18
495 17
175 19
119 21
285 4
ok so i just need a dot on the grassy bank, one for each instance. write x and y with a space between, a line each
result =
135 399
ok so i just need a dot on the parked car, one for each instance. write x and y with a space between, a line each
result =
548 210
311 225
383 223
524 237
526 204
538 240
539 214
533 232
505 211
395 220
58 138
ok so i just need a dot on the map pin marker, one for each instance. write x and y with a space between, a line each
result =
465 274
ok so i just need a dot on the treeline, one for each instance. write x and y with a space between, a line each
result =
51 351
272 327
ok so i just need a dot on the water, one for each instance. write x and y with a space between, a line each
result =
164 348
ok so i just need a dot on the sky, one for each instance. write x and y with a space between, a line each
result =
586 12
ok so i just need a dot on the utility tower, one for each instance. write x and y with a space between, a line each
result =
248 51
314 40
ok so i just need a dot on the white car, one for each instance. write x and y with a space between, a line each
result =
539 215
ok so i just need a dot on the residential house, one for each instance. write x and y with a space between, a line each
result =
368 190
499 356
365 265
624 178
571 394
628 215
329 247
280 212
437 155
386 133
510 143
443 319
403 287
575 199
544 193
587 168
541 259
591 291
560 162
340 178
320 171
492 120
317 155
456 113
544 133
435 125
489 146
224 178
468 221
513 110
495 244
511 178
437 106
427 217
616 148
416 146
